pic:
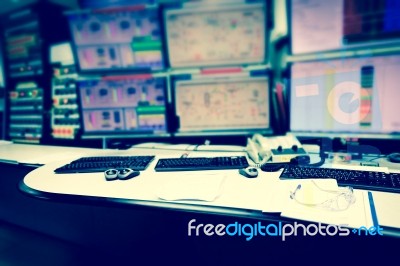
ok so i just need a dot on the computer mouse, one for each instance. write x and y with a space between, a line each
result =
273 167
111 174
249 172
394 157
300 160
127 173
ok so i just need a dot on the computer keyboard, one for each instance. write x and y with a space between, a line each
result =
388 182
103 163
201 163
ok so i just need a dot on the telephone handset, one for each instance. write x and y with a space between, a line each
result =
258 149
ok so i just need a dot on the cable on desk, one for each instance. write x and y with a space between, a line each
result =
187 149
377 157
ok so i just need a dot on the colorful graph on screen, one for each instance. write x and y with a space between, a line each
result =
123 106
128 39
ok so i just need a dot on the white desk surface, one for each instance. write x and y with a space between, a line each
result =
238 195
40 154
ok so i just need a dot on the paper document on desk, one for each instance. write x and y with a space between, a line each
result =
356 215
192 186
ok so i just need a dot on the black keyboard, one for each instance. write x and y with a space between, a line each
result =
103 163
201 163
369 180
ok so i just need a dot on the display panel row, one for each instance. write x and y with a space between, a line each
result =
156 37
227 101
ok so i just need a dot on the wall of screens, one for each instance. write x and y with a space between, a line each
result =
127 54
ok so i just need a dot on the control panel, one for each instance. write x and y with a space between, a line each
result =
65 121
26 112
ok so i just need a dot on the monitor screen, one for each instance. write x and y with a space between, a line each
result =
132 105
352 95
213 35
319 25
226 105
61 53
120 39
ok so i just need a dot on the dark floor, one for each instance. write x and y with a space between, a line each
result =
20 246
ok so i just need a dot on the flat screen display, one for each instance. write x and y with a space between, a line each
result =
226 105
352 95
213 35
120 39
117 106
319 25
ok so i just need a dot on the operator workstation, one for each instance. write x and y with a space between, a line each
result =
199 132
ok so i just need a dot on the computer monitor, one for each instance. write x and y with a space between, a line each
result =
210 34
117 39
118 106
318 25
346 97
226 105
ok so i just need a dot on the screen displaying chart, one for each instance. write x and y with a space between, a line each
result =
121 39
223 105
216 35
352 95
134 105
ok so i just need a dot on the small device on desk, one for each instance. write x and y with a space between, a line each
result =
103 163
278 149
249 172
124 174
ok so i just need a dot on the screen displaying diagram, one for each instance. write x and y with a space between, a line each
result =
123 106
122 39
230 104
227 35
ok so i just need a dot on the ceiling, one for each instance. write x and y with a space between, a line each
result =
9 5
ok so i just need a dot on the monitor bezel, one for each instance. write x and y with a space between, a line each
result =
118 70
243 76
334 134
